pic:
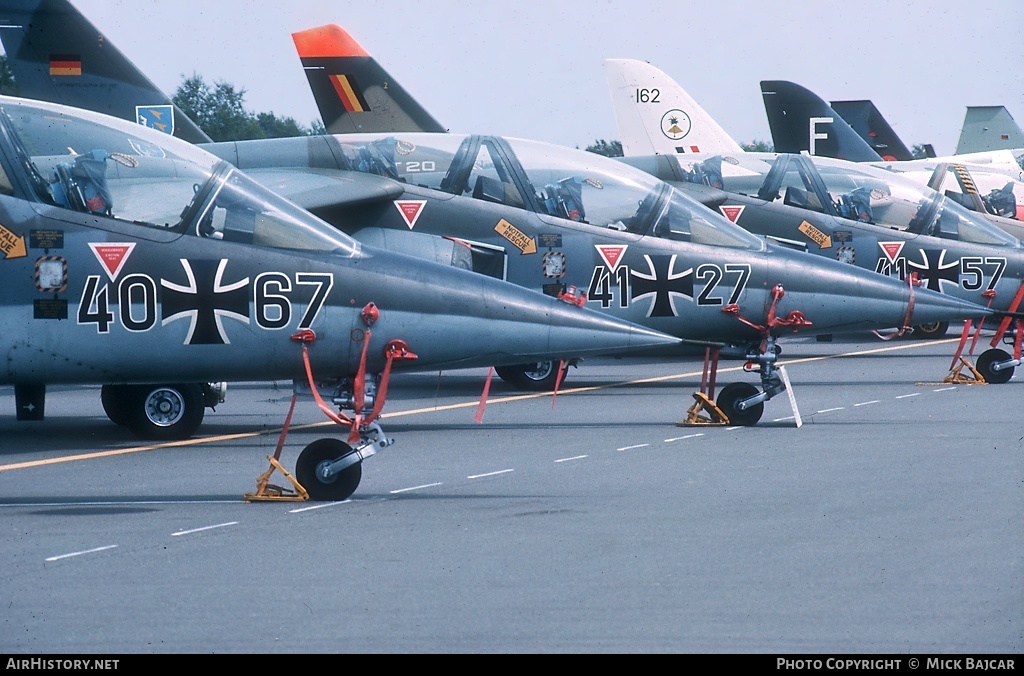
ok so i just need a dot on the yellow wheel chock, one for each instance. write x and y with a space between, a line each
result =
266 491
957 377
712 415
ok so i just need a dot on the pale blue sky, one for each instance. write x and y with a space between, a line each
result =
533 69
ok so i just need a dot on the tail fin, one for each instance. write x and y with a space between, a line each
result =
868 122
57 55
988 128
354 93
655 116
802 122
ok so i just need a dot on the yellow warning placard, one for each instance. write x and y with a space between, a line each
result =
12 245
517 237
822 239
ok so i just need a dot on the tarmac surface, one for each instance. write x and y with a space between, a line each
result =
890 522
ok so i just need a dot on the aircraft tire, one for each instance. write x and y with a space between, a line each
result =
166 412
733 393
538 377
930 331
116 400
984 366
339 487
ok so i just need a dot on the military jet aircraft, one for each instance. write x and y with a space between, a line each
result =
991 183
571 224
848 211
138 261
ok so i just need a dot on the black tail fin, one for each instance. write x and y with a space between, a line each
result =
868 122
57 55
801 121
353 92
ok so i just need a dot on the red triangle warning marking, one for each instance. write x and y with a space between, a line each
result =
611 254
410 210
732 212
112 256
891 249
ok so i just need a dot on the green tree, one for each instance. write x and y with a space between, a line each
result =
608 149
220 112
273 126
758 147
317 128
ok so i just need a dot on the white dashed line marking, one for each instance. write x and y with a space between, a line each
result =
905 396
415 488
199 530
320 506
944 389
630 448
867 403
87 551
575 457
688 436
480 476
829 410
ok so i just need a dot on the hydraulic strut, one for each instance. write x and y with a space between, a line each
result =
364 435
761 358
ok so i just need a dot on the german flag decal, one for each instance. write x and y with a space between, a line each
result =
65 64
349 93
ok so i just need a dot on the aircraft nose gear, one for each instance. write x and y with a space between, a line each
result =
330 469
743 403
993 366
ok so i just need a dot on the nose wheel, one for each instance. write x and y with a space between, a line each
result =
313 470
730 400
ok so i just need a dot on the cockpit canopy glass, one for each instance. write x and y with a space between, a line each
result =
858 192
99 165
553 181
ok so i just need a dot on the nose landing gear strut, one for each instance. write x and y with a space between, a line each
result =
743 403
331 469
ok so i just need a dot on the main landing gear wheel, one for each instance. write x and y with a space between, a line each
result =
733 393
540 376
930 331
163 412
984 367
116 404
336 488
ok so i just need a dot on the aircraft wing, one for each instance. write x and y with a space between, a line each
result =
318 189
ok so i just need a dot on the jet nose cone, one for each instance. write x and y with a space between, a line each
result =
838 297
575 332
930 307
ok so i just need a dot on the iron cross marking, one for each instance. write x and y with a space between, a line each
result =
935 269
663 284
205 300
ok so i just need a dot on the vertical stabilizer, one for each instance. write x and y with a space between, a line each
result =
801 122
57 55
655 116
868 122
989 128
353 92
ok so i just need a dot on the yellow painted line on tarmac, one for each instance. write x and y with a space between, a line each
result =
449 407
